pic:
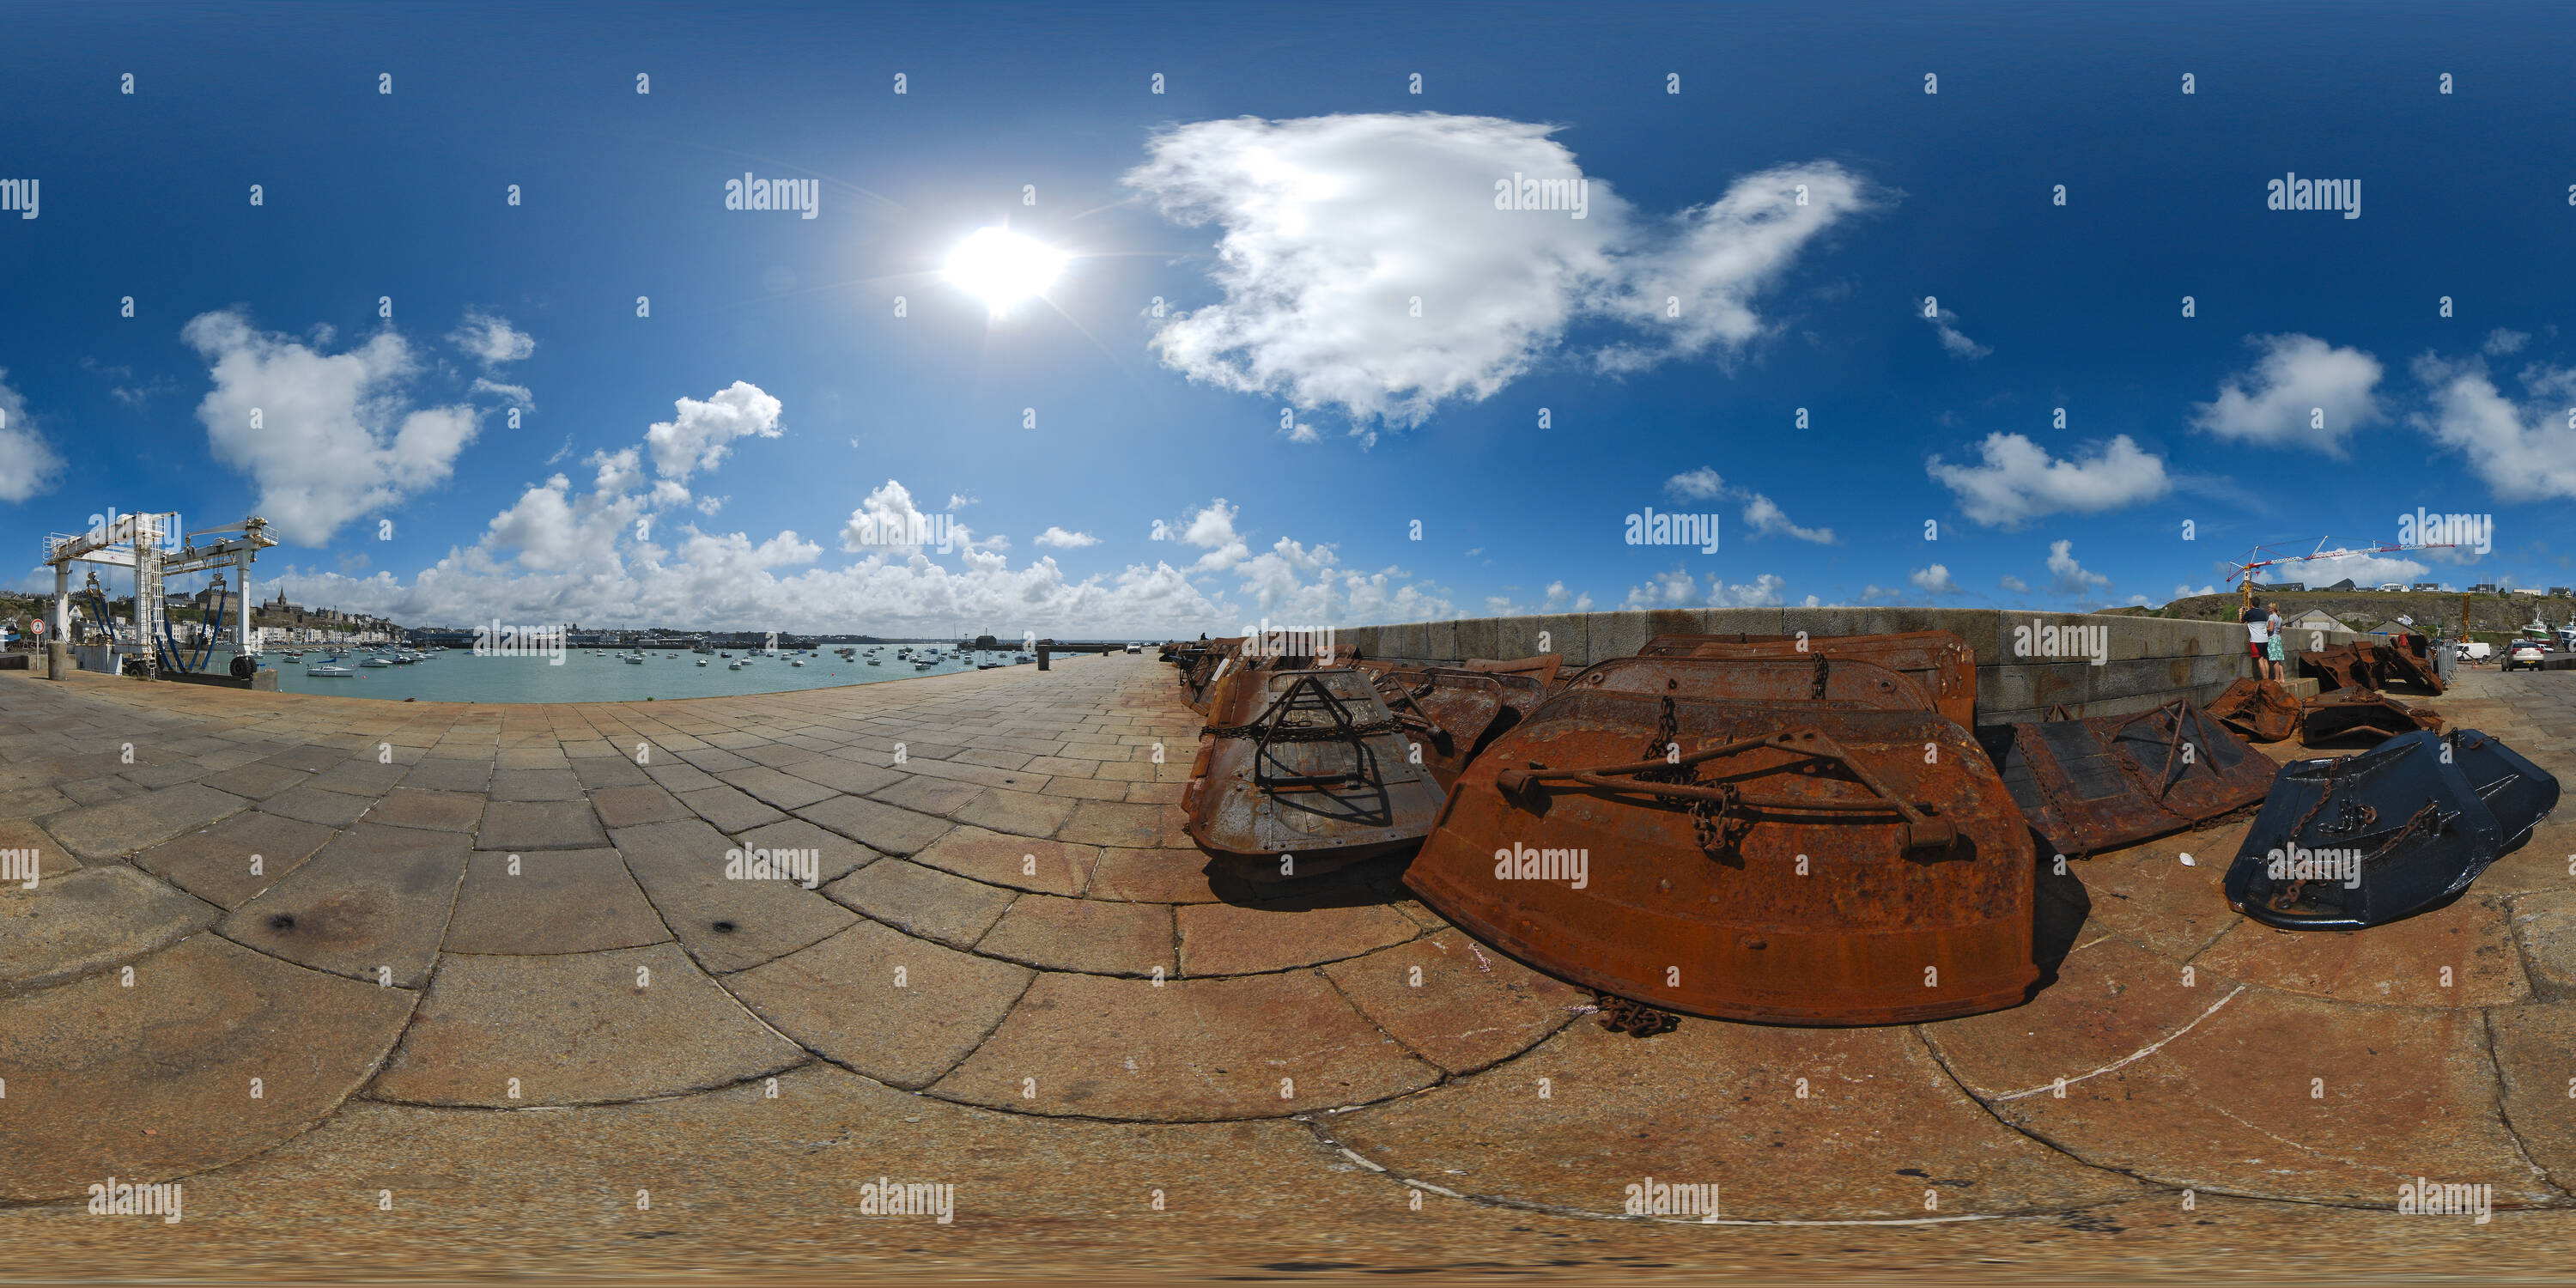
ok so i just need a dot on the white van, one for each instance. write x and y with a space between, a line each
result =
2475 651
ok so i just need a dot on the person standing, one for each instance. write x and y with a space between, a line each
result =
2257 634
2272 646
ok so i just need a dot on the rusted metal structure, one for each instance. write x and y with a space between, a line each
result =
2360 841
1942 663
1796 841
2361 713
2341 666
1816 677
1301 771
1202 666
1453 712
2408 659
2101 783
2261 710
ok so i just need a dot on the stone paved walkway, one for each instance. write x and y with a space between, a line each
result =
445 987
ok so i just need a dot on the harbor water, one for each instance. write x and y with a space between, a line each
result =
458 675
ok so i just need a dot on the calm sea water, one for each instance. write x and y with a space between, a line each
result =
456 675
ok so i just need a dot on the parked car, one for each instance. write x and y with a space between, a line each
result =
2392 585
2526 653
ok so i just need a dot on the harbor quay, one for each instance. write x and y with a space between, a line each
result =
924 977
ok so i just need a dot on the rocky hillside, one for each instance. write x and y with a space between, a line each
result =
2364 609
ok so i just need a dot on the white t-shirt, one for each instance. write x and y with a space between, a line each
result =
2258 631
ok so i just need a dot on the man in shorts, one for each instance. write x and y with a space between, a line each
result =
2258 636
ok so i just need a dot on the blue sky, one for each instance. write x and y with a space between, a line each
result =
1286 198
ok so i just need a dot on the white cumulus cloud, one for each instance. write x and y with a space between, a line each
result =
2019 481
1934 580
337 435
2299 382
1058 537
491 339
1333 229
703 432
2522 451
2067 577
28 464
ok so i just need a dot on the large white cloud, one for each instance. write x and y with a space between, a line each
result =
626 550
2299 381
2523 452
28 464
703 432
338 436
2019 481
1332 228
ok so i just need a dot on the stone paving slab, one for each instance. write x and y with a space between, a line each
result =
1019 862
1879 1127
2273 1094
1253 1047
580 1028
726 924
215 863
550 901
87 921
370 904
1460 1006
1087 935
153 1080
1228 939
123 826
898 1009
923 902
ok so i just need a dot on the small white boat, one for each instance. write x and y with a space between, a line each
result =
796 663
874 662
733 666
635 659
375 661
327 671
702 661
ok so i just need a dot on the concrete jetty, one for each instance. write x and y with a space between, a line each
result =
487 1002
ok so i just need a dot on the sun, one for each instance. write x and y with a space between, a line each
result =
1002 268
